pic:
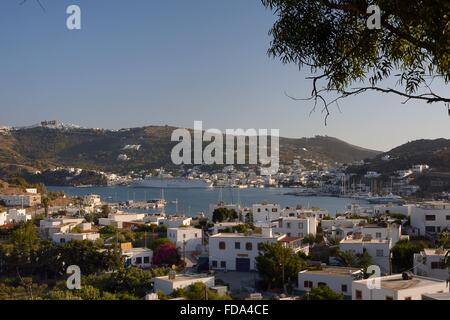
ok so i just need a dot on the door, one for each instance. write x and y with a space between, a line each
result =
242 264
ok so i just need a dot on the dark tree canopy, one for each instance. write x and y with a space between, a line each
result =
331 38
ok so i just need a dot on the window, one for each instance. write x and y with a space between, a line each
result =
146 259
237 245
300 225
288 234
430 229
308 284
430 217
378 235
223 264
322 284
196 235
358 295
222 245
344 288
274 210
214 264
288 225
380 253
184 236
447 217
389 298
258 210
260 246
408 298
138 260
249 246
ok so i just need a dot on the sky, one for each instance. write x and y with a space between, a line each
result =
157 62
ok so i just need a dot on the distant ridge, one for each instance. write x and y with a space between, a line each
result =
52 143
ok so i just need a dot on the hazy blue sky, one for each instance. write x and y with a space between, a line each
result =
141 62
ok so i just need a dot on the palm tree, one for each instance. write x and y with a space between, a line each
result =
46 202
347 259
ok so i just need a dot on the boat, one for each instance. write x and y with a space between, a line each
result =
166 181
391 198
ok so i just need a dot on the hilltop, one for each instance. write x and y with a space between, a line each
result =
48 146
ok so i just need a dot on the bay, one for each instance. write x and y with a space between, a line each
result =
194 201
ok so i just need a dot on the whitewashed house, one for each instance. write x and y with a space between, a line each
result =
16 216
117 219
188 239
430 218
82 236
265 213
167 284
3 218
397 287
296 226
237 251
378 249
176 221
431 263
21 200
138 257
338 279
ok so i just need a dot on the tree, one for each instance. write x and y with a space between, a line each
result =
158 242
358 260
331 38
323 293
166 254
224 214
403 254
278 265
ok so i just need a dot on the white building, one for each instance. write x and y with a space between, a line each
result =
48 227
431 263
167 284
21 200
117 219
3 217
397 287
296 226
176 221
92 200
338 279
138 257
14 216
378 249
67 237
237 251
430 218
265 213
187 239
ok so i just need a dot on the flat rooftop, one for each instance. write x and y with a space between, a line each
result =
396 282
136 250
338 271
361 240
433 252
243 235
185 277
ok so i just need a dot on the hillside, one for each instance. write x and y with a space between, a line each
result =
435 153
42 147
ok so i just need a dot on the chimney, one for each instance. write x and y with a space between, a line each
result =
266 231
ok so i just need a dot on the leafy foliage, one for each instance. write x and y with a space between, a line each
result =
275 261
323 293
331 36
403 254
